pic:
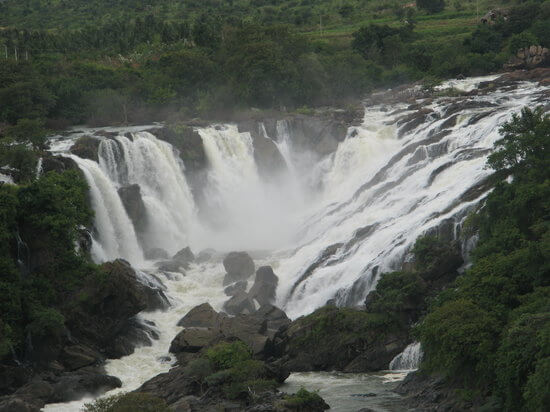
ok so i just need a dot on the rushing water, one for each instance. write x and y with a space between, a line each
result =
386 184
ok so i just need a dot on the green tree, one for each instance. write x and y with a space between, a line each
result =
431 6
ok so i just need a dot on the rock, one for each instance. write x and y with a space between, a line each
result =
205 255
235 288
108 306
14 404
194 339
71 387
239 303
314 342
202 316
265 286
528 58
169 266
133 203
77 356
239 265
156 254
51 163
188 143
250 329
275 317
184 257
13 377
86 147
133 334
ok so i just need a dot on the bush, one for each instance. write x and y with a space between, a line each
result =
522 40
304 400
431 6
225 355
128 402
459 339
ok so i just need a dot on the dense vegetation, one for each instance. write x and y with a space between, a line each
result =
491 332
169 59
47 215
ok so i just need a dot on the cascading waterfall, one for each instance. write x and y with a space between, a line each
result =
115 235
153 165
407 360
361 207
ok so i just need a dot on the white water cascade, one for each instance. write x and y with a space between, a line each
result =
407 360
329 230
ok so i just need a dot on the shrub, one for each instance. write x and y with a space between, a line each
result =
304 400
431 6
225 355
522 40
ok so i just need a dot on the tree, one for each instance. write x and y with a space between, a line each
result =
431 6
29 130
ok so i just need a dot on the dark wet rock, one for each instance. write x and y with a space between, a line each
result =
156 254
265 286
133 203
205 255
59 164
14 404
108 306
239 303
133 334
13 377
427 392
412 121
269 160
194 339
202 316
239 265
316 342
78 356
184 257
86 147
235 288
276 319
188 143
169 266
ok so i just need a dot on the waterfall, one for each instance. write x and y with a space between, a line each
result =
115 235
409 359
155 167
38 171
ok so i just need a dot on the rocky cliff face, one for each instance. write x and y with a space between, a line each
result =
529 58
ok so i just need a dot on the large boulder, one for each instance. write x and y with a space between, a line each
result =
102 310
194 339
86 147
184 257
265 286
202 316
239 303
235 288
239 265
188 143
133 203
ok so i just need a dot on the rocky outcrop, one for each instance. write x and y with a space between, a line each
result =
239 266
54 388
340 339
188 143
184 257
86 147
529 58
133 203
244 383
265 286
204 327
156 253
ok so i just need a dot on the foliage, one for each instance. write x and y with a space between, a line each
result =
225 355
492 328
432 6
46 215
233 371
305 400
128 402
